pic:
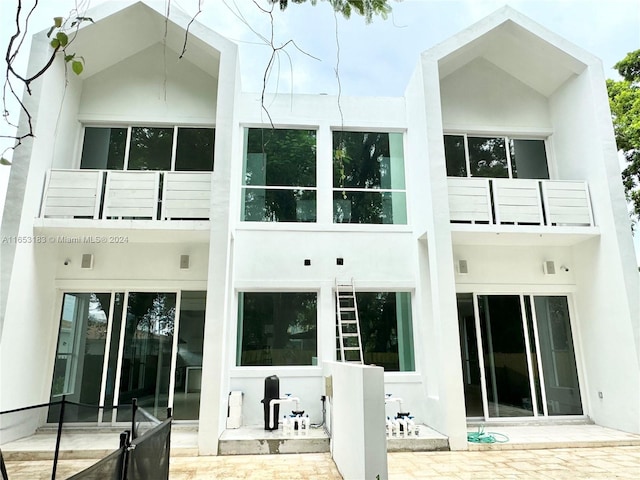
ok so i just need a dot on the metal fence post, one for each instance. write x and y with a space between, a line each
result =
56 453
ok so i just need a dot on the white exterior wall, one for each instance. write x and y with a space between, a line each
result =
229 256
480 97
606 276
151 86
442 380
270 256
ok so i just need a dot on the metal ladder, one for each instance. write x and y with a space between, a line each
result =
348 323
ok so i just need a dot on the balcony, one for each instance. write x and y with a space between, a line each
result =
133 200
558 212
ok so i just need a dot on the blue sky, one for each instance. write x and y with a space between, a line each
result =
375 59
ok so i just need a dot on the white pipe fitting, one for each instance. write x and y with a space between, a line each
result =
280 401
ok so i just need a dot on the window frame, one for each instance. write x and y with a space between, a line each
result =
127 147
266 187
236 359
377 190
507 139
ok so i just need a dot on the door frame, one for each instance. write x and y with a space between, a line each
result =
577 350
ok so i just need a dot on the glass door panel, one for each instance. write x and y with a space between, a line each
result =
146 357
558 356
505 356
188 376
112 363
470 359
80 354
514 345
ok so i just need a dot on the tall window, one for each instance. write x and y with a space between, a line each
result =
495 157
279 175
148 148
277 328
386 330
368 178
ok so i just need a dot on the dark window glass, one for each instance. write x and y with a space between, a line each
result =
386 330
277 328
194 149
528 159
373 161
488 157
455 155
103 148
150 148
278 157
80 354
368 160
188 380
369 207
146 360
283 205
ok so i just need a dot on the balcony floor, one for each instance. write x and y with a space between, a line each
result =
517 235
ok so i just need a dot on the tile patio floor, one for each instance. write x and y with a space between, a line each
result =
605 463
558 452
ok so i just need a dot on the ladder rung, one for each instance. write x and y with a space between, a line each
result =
351 348
348 322
345 334
347 309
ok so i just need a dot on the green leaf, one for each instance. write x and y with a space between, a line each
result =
68 58
77 67
55 43
62 38
4 161
57 22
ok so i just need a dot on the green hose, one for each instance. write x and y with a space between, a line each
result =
486 437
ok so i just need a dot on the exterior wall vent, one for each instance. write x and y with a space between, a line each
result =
549 267
184 262
87 261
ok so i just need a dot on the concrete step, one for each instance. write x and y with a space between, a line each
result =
255 440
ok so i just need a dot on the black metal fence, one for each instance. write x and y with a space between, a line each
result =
143 452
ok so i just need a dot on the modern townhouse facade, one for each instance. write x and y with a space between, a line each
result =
163 239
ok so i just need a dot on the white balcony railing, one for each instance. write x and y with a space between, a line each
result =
501 201
114 194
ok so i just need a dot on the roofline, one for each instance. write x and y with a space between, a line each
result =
494 20
176 15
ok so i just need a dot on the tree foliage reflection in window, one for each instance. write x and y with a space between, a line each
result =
279 175
277 328
368 177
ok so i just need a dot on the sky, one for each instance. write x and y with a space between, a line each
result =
375 59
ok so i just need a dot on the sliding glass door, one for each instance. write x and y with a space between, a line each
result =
517 356
116 346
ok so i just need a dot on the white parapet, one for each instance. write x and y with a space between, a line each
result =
357 420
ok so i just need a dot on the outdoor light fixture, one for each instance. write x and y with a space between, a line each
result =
549 267
87 261
462 267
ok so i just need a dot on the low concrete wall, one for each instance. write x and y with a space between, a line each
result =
356 419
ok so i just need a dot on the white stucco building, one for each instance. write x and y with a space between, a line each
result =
162 241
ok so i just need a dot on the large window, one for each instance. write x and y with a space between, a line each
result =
148 148
368 178
495 157
277 328
386 330
279 175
